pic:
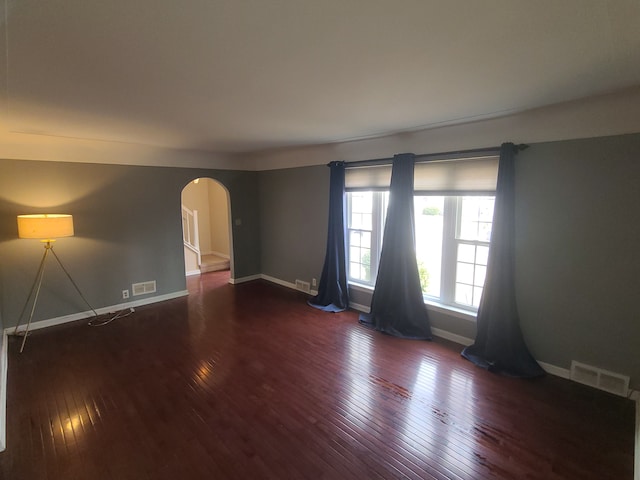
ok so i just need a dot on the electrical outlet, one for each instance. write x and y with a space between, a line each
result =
314 282
125 293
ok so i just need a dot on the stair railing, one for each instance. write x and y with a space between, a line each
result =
190 231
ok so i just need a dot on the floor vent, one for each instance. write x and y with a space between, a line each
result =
602 379
303 286
143 288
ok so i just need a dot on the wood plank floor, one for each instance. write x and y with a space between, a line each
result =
248 382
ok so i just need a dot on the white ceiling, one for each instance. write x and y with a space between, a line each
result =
247 75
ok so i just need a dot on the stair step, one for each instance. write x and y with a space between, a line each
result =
213 263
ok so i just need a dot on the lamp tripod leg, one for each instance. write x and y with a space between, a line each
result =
37 283
73 283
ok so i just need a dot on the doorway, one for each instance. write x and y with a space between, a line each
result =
206 228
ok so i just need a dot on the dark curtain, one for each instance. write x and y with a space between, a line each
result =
397 306
333 294
499 345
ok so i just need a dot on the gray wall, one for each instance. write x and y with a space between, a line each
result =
128 229
578 235
294 206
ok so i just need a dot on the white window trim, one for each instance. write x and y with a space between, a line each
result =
446 302
431 305
377 232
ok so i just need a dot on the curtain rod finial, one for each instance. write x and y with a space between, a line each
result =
335 162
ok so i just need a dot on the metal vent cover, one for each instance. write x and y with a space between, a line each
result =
143 288
303 286
599 378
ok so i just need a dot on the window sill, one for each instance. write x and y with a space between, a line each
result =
468 315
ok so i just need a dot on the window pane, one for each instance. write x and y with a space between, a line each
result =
467 229
356 220
485 209
476 216
362 274
362 218
361 202
480 273
428 229
484 231
464 294
361 207
464 273
361 221
354 270
482 254
355 239
477 295
466 253
471 270
366 221
365 256
365 273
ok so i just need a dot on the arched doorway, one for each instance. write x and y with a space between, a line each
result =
206 227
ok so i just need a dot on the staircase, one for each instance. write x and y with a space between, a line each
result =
193 257
213 263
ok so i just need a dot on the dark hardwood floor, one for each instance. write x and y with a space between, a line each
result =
248 382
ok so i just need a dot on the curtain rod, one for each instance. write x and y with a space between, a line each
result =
425 157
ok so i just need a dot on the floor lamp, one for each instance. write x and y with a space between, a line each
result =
46 228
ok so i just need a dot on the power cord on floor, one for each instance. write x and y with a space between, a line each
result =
97 322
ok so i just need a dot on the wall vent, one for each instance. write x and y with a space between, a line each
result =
143 288
602 379
303 286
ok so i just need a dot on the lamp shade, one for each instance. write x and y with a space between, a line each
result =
45 226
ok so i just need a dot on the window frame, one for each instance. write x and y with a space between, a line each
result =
459 240
379 203
452 213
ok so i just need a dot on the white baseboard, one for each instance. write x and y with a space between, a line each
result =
190 273
284 283
359 307
436 331
453 337
555 370
268 278
88 313
277 281
3 392
250 278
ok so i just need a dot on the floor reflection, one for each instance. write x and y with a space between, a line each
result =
440 417
359 398
419 416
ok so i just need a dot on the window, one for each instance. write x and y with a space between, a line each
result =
365 226
473 232
453 201
452 246
452 243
